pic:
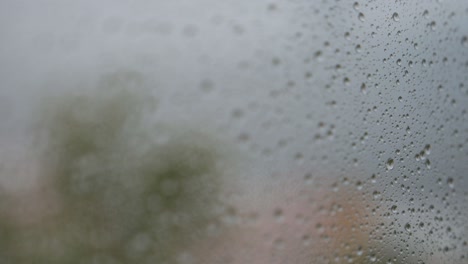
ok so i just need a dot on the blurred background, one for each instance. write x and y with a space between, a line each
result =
266 131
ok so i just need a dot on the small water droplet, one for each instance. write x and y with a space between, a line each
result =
408 227
363 88
278 214
428 164
390 164
359 185
425 13
358 48
318 55
362 17
356 6
464 41
427 149
308 178
376 194
346 81
359 252
206 85
450 182
408 130
306 240
347 35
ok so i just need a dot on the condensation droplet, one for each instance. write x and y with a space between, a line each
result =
356 6
427 149
390 164
308 178
408 227
428 164
464 41
363 88
450 183
359 185
346 81
358 48
425 13
362 17
278 214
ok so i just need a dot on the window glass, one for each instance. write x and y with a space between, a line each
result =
267 131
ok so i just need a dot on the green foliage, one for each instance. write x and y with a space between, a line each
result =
117 181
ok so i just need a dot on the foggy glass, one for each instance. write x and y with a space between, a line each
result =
207 131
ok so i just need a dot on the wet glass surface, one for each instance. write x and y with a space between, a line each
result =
233 132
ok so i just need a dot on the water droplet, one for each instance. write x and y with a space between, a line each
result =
206 85
390 164
278 214
319 228
464 41
308 178
428 164
275 61
359 251
359 185
363 88
318 55
427 149
358 48
306 240
346 81
408 227
376 194
450 182
361 17
347 35
356 6
425 13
